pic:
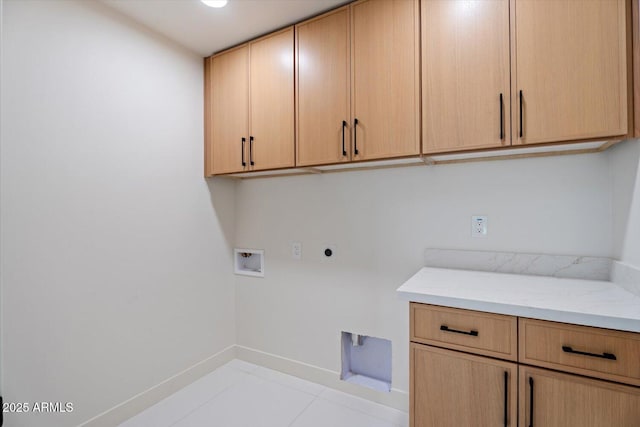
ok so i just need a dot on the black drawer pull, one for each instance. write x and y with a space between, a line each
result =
251 151
446 329
521 124
355 137
506 399
531 402
243 141
344 150
609 356
501 118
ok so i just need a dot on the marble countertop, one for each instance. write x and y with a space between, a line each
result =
583 302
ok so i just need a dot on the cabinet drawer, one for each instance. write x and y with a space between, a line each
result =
472 331
595 352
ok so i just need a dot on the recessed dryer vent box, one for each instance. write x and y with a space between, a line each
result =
249 262
366 361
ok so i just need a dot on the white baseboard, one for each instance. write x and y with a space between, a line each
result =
397 399
150 397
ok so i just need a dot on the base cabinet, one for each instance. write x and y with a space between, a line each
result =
453 389
450 387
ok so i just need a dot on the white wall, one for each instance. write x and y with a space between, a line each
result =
625 169
116 266
381 222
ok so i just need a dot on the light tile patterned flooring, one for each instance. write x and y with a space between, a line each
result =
240 394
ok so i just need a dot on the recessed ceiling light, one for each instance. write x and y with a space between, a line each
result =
215 3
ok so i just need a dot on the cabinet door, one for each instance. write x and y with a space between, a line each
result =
229 109
452 389
272 114
322 66
465 75
563 400
571 66
385 78
208 118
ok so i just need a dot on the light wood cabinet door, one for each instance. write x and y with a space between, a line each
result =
563 400
229 109
385 78
452 389
322 67
465 75
208 118
271 142
570 65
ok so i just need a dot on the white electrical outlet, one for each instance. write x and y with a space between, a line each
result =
296 250
479 226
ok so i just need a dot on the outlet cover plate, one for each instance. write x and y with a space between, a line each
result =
479 225
296 250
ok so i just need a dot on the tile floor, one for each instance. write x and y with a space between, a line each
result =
240 394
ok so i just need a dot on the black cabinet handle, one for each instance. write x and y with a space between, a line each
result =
243 141
609 356
501 118
530 402
344 125
355 137
251 151
446 329
506 397
521 131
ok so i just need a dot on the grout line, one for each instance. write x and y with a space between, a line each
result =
215 396
242 370
286 385
253 374
302 412
360 411
203 404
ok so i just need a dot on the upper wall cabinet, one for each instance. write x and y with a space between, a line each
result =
394 79
322 67
250 93
564 79
358 83
385 68
465 65
570 69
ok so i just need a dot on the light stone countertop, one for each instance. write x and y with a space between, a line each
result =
583 302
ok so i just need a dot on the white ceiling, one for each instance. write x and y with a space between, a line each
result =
205 30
